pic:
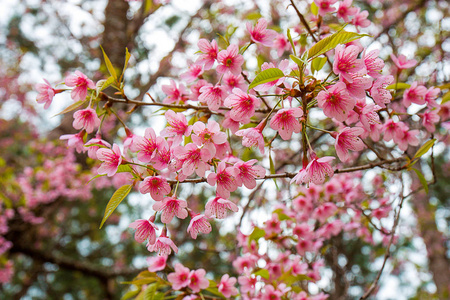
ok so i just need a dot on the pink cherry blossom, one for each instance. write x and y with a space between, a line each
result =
431 96
178 126
208 136
231 81
348 139
225 178
208 54
402 62
285 121
360 18
170 207
163 154
218 207
197 280
270 293
346 10
379 93
111 158
407 137
156 263
174 93
282 44
242 105
252 137
145 229
81 84
212 95
163 246
301 177
247 283
324 211
429 119
194 72
248 172
195 89
359 85
226 286
272 226
230 60
373 63
45 93
92 150
128 142
346 62
336 101
229 123
304 246
325 6
198 224
414 94
180 278
191 158
260 33
75 140
86 119
318 168
368 115
147 145
390 130
157 186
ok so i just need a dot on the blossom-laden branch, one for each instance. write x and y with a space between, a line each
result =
105 97
337 171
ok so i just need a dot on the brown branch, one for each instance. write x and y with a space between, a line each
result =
105 97
303 20
71 264
291 175
387 254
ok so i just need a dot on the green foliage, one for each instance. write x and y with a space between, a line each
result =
330 42
266 76
115 200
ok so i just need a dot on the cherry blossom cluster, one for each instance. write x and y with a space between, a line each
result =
219 110
301 228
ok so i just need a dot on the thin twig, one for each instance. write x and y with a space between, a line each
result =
387 254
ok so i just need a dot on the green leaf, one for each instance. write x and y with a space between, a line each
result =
424 149
130 294
115 200
71 107
422 179
263 273
265 76
314 9
127 58
291 41
445 98
300 63
103 84
281 216
318 63
150 292
330 42
109 65
256 234
398 86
